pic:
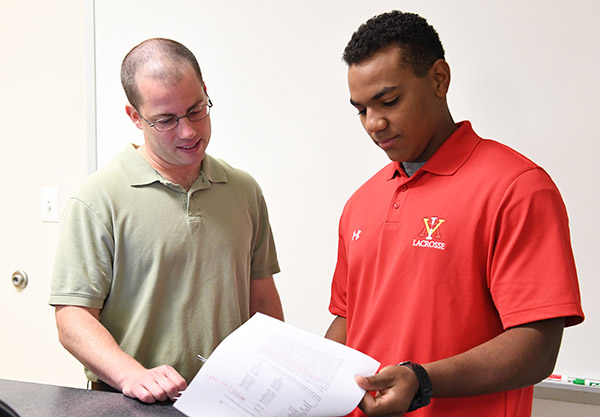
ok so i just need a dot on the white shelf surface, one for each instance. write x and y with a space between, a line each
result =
563 391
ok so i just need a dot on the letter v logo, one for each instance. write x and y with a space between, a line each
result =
432 227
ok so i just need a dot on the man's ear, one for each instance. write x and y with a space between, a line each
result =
134 116
440 73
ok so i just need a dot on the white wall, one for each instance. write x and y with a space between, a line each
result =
523 72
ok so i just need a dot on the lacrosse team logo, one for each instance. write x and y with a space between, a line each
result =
431 236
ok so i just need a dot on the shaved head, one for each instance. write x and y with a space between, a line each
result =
162 59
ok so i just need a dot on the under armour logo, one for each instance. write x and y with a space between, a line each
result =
356 235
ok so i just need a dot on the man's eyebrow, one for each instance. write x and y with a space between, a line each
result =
162 115
377 96
383 92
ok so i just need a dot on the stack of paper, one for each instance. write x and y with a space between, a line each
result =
267 368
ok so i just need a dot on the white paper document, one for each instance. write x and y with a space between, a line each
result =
267 368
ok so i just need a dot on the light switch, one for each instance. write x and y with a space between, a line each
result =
49 204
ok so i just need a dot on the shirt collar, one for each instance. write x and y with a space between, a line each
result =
140 172
453 153
213 169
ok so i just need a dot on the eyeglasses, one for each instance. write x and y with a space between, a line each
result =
195 114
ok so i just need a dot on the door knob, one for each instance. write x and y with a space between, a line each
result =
20 279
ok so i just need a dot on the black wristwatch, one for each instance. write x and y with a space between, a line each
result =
423 397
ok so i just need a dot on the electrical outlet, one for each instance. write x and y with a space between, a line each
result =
49 204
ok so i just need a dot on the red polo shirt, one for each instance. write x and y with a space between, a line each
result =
475 242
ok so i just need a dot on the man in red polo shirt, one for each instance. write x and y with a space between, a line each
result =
456 256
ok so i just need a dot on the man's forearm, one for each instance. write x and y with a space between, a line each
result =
86 339
264 298
83 335
519 357
337 330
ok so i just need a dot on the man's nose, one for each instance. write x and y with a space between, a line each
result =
374 122
186 128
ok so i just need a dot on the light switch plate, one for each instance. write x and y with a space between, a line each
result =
49 204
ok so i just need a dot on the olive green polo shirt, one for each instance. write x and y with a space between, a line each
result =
169 269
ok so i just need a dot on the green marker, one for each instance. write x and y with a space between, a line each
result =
586 382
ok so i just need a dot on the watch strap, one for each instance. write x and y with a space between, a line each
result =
423 396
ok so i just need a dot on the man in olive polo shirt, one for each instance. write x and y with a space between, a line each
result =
166 250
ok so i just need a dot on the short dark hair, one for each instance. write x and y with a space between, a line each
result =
163 58
418 40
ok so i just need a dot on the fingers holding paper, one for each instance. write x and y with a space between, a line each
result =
157 384
394 387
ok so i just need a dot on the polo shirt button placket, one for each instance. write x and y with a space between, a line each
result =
394 213
403 188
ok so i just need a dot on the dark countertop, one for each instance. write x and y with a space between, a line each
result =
40 400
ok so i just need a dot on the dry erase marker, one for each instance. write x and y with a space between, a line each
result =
573 380
586 382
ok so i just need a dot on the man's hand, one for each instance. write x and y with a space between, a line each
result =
157 384
395 387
